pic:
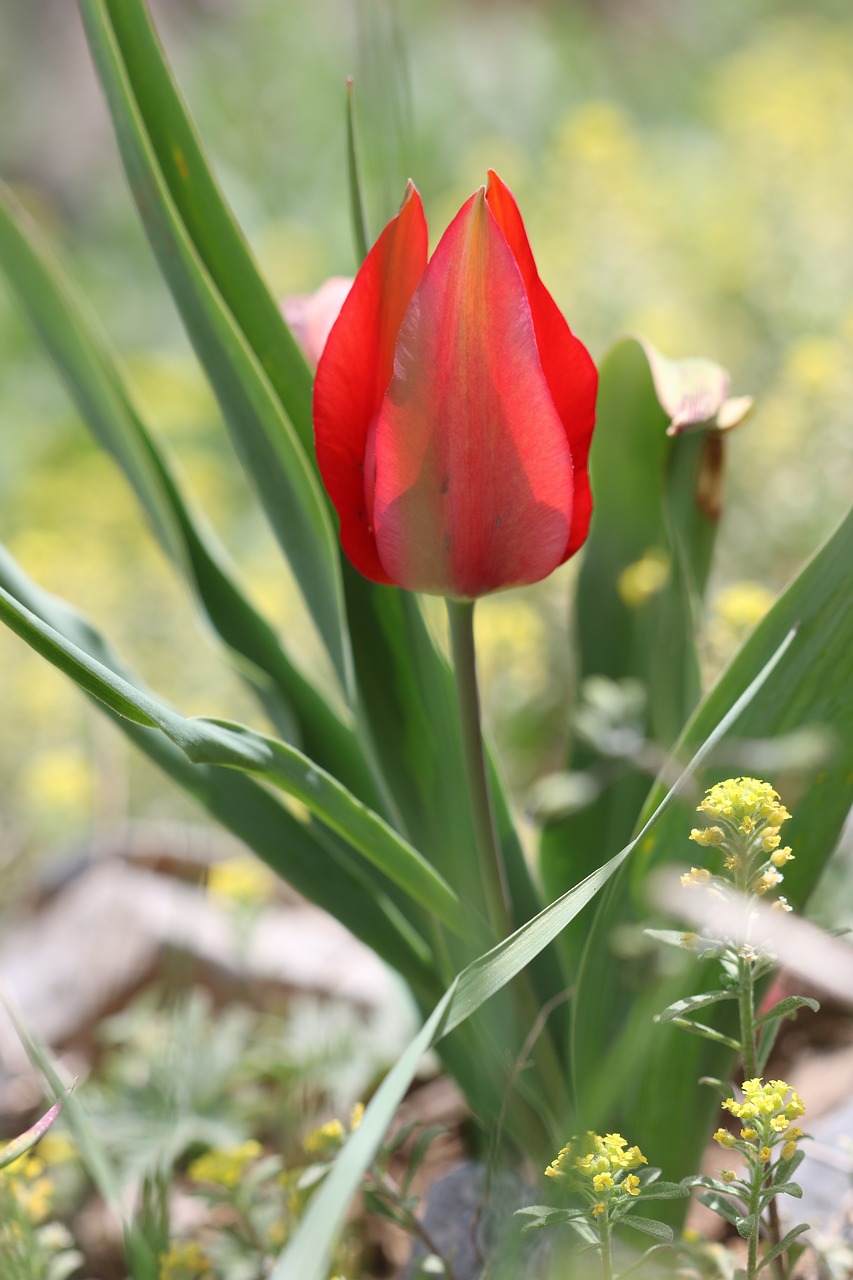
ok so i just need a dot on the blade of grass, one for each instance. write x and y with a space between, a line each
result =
261 432
219 742
88 368
299 851
208 220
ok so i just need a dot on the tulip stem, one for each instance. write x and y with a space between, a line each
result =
460 615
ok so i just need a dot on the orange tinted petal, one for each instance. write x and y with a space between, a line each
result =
474 484
355 369
567 365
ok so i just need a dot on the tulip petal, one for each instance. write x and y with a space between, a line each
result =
355 369
474 487
567 364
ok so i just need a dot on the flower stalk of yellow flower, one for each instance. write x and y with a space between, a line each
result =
744 818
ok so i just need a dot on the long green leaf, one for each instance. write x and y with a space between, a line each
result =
643 572
205 214
262 434
812 684
217 742
308 1255
348 888
84 361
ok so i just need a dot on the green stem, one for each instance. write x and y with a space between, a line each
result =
746 1010
606 1250
752 1244
493 876
493 879
749 1052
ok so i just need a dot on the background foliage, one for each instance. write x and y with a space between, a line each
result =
678 169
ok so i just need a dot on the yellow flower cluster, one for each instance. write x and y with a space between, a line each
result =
747 815
185 1260
744 803
599 1167
225 1167
767 1113
32 1189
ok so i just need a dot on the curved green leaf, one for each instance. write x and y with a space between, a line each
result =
263 436
810 685
643 573
218 742
207 218
687 1005
87 366
347 887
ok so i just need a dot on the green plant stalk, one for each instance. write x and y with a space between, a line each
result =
746 1011
493 875
606 1250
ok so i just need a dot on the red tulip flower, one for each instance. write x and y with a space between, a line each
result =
453 408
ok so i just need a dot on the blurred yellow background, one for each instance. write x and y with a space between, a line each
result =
683 169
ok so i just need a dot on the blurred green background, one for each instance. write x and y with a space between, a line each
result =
683 169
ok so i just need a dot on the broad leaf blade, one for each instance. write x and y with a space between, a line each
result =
811 684
234 746
643 573
207 218
300 853
88 369
271 453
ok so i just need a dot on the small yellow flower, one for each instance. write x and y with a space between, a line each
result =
764 1154
770 839
598 1209
728 1175
781 856
779 1124
748 1134
724 1138
696 876
768 879
602 1182
781 904
185 1260
795 1133
630 1185
708 835
226 1167
325 1138
789 1149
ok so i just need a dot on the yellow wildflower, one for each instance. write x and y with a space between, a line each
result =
781 856
224 1167
598 1209
602 1182
185 1260
764 1154
708 835
724 1138
325 1139
630 1185
728 1175
789 1149
696 875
